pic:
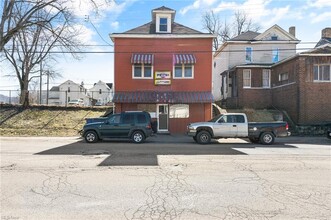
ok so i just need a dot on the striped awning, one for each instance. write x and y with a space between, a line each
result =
162 97
142 58
184 59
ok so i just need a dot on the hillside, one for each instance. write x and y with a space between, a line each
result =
45 121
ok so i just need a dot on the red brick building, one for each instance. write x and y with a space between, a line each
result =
164 68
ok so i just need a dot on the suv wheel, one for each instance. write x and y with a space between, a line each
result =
267 138
91 137
138 137
203 137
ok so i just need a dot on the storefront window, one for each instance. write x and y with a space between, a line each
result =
179 111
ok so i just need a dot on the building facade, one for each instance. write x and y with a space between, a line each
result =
252 49
101 93
164 68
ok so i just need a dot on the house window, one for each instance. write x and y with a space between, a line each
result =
247 78
322 73
100 92
283 77
183 71
163 24
275 55
179 111
248 57
68 89
142 70
266 78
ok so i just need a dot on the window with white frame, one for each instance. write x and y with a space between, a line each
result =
248 57
247 78
163 23
183 66
322 73
184 71
283 77
142 70
179 111
266 78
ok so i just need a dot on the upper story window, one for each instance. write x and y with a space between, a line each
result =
163 23
275 55
322 73
248 57
184 66
247 78
142 66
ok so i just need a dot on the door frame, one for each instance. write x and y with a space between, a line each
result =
158 118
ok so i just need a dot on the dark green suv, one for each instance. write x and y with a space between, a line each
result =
135 125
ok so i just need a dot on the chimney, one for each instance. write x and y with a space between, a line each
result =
291 30
326 33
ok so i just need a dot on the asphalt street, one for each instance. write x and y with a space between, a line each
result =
167 177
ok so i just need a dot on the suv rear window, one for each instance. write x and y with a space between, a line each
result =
141 118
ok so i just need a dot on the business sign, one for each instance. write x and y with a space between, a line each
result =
162 78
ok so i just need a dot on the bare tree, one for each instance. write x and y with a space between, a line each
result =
223 31
10 25
32 46
242 23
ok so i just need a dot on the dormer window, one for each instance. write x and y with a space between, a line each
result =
275 37
163 23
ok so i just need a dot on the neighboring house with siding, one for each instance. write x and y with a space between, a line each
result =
101 92
69 90
255 52
300 85
164 68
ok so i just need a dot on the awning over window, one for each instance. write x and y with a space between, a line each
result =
162 97
142 58
184 59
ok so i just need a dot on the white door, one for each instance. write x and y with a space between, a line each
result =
162 117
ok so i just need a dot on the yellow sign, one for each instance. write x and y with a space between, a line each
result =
162 78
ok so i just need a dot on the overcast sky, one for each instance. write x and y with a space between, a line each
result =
308 16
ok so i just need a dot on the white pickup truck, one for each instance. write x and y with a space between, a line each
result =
235 125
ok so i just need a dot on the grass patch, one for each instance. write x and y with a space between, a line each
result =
48 122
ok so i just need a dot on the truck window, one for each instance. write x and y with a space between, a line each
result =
240 119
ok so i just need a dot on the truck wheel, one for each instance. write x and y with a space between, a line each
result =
137 137
267 138
203 137
91 137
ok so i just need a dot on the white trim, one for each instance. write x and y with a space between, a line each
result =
183 71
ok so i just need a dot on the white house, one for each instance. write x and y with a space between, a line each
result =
67 91
250 48
101 92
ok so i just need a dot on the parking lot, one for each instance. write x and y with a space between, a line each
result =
168 177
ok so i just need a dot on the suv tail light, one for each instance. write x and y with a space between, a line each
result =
286 126
149 126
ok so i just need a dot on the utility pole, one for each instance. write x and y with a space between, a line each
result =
47 87
41 86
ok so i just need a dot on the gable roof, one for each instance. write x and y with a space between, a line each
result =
323 41
277 31
326 49
246 36
149 28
